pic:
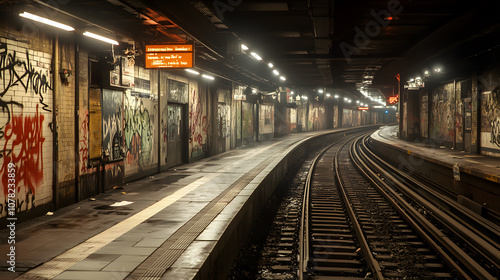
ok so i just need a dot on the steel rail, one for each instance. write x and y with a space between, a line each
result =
372 262
488 231
408 211
303 256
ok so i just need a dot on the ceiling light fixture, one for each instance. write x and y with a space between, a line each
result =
320 91
192 71
283 78
101 38
47 21
270 65
208 77
243 47
256 56
276 72
336 96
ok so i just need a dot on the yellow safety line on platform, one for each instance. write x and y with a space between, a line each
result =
66 260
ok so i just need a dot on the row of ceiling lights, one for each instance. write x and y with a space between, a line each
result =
205 76
91 35
257 57
347 100
66 27
427 73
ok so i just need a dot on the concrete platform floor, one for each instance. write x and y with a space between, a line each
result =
481 166
169 220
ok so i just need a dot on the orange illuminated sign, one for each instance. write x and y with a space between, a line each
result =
363 108
393 99
169 48
169 56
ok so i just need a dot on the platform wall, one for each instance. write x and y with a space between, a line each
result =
86 130
462 113
26 120
490 112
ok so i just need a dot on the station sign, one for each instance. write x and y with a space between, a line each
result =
363 108
170 56
393 99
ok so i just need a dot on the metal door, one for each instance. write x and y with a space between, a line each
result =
176 137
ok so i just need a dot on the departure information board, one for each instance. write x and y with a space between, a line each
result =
169 56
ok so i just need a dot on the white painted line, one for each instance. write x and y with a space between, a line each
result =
78 253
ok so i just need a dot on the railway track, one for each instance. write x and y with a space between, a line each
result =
355 226
350 215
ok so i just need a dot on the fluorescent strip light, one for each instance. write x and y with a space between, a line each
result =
256 56
270 65
243 47
101 38
208 77
283 78
328 95
336 96
192 71
47 21
320 91
276 72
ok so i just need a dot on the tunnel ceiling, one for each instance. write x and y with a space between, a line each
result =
342 44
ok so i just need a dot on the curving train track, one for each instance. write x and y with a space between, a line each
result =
363 219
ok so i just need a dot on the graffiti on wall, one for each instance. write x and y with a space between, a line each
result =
18 70
495 132
84 141
223 121
459 123
23 124
424 121
24 146
442 119
164 132
139 131
174 124
178 92
266 122
247 125
112 124
346 118
197 126
490 116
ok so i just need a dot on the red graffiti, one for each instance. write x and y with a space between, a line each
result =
84 149
197 120
135 150
23 147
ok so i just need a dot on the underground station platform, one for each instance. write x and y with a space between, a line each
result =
188 222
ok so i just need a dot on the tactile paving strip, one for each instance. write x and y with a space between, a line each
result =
168 258
66 260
